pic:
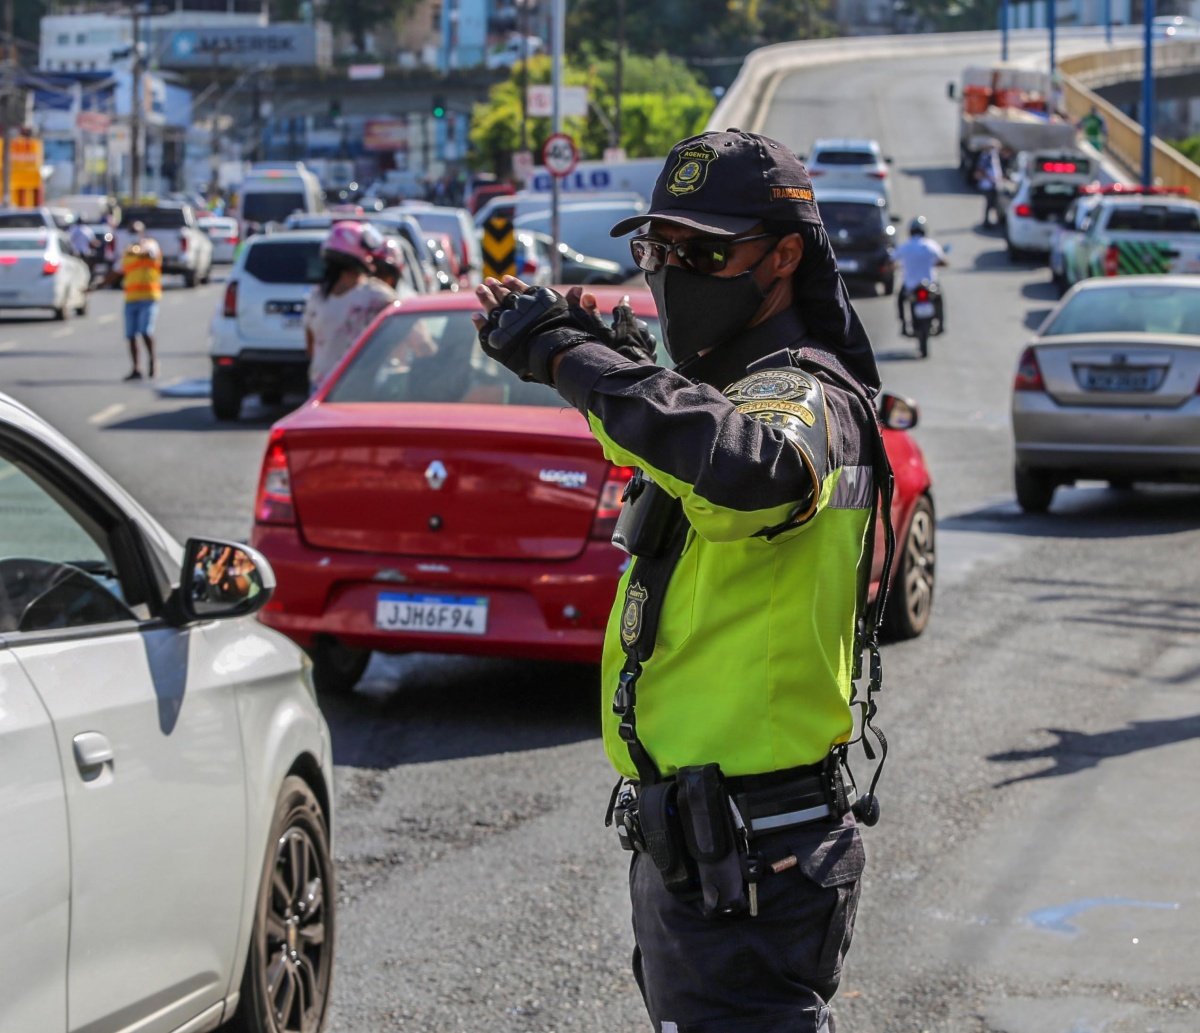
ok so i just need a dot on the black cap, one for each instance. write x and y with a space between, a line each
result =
726 183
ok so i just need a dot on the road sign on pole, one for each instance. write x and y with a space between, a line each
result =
559 155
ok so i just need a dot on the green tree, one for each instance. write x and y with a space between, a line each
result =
662 102
1189 147
953 15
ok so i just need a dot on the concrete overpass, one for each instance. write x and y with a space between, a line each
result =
1091 73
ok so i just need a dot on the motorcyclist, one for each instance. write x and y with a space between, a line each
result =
920 256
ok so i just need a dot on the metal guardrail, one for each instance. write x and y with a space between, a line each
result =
1080 72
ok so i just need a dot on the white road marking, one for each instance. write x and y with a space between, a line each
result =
7 346
66 331
108 317
104 415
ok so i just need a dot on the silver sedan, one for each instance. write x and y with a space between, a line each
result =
39 269
1107 389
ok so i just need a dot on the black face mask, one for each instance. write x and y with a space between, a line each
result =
698 312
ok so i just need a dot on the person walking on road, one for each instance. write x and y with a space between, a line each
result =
341 306
140 271
733 644
989 175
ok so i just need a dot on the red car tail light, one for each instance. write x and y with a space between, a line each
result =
609 506
1023 211
878 173
182 243
529 266
1029 373
1112 260
229 309
50 267
274 502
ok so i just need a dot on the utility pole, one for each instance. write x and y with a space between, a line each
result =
523 28
619 76
215 159
559 33
135 107
1003 30
1148 97
1052 21
7 89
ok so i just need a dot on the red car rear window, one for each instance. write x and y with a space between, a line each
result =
434 357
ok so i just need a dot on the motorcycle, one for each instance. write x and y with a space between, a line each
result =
923 314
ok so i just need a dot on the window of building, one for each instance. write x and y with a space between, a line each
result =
80 38
64 38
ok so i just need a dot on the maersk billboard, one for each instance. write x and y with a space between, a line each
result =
303 45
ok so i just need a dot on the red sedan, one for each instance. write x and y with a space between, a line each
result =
425 500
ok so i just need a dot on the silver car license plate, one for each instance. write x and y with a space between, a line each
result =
1130 380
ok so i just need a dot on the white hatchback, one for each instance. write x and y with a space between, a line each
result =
845 164
39 269
165 772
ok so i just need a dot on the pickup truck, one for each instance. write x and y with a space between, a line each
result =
186 248
1128 236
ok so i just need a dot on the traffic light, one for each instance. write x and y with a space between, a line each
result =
439 107
335 108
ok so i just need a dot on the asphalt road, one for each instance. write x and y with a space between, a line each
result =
1031 871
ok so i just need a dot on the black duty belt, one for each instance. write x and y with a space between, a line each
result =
784 799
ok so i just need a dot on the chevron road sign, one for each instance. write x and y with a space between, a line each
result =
499 247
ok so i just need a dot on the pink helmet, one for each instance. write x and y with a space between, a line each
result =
389 254
356 240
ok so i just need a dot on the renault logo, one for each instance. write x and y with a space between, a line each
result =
435 474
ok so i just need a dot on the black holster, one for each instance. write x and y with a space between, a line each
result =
662 835
712 841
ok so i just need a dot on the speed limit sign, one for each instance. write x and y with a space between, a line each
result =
559 155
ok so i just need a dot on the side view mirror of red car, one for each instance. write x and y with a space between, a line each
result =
897 413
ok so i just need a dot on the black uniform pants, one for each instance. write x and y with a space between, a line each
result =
773 973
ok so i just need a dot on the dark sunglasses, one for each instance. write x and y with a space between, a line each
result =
699 255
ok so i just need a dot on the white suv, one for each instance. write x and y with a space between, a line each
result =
850 165
257 333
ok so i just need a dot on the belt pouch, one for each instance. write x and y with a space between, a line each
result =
658 816
709 834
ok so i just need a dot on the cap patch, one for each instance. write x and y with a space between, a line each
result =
791 194
691 170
